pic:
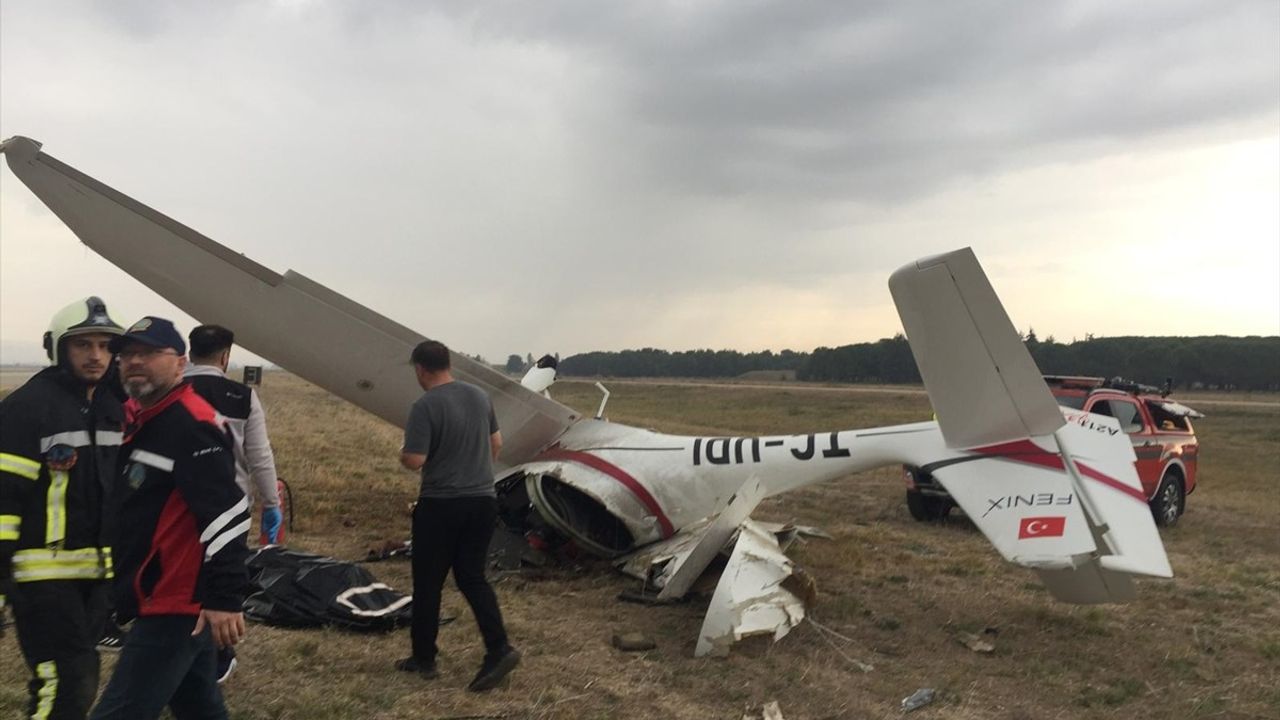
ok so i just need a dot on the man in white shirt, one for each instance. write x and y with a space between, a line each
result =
210 352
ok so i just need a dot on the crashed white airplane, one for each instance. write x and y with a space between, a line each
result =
670 503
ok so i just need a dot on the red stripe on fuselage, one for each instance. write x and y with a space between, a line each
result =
618 474
1028 452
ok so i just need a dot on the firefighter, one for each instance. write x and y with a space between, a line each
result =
59 437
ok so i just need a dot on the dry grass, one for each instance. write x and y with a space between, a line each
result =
1205 645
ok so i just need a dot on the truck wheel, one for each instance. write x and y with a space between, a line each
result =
1169 501
925 508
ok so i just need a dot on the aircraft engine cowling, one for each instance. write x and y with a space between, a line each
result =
595 510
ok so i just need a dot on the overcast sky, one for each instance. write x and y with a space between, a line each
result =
516 177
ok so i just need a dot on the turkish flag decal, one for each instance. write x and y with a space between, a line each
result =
1035 527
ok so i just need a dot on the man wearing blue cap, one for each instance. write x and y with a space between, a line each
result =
179 559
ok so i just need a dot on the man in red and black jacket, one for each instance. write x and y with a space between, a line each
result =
180 556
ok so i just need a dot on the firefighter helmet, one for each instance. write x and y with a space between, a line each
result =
79 318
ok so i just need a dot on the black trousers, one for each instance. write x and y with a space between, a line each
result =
453 535
163 664
59 623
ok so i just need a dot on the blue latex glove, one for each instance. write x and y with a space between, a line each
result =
271 521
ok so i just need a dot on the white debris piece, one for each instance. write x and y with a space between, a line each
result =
976 643
750 598
651 563
918 699
684 570
769 711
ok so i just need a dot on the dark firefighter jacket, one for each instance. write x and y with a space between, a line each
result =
183 520
58 454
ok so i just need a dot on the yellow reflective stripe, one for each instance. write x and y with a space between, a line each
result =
48 674
9 526
43 564
40 574
55 528
50 555
37 564
18 465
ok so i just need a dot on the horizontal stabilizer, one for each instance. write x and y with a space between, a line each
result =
1088 584
1083 525
1022 500
983 384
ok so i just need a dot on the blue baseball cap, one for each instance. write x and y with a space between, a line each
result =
153 331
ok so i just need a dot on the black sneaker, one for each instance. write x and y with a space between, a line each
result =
112 638
414 665
492 671
226 663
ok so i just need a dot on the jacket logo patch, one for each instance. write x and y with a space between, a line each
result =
135 474
61 457
207 451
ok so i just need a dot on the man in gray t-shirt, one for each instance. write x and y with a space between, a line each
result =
452 437
454 427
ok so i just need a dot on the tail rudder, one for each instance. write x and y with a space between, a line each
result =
983 384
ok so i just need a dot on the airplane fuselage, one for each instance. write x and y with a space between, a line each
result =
654 484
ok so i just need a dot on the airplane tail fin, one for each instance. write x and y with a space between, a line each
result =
1054 490
983 384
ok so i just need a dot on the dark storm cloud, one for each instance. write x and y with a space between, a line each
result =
884 101
605 160
793 102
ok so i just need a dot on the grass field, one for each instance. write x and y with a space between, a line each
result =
900 595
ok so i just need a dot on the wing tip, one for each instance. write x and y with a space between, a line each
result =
20 148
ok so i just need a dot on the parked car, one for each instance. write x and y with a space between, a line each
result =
1163 441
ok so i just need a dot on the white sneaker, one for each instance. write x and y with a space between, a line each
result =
112 638
226 663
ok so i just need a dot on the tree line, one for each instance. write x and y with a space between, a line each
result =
1217 361
650 362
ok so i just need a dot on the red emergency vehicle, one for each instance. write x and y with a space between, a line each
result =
1163 441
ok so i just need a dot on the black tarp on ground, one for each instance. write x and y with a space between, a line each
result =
298 589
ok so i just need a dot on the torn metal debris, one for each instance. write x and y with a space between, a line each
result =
750 598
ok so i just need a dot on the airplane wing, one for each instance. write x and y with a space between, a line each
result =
294 322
